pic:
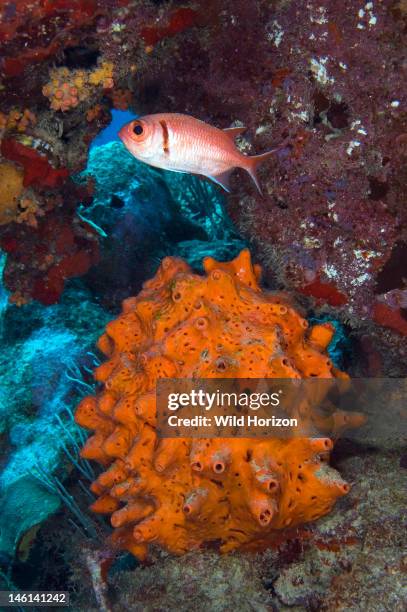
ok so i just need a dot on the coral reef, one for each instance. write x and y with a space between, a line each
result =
335 568
47 130
32 198
324 81
182 493
121 98
47 347
144 215
299 88
11 179
45 147
50 26
177 21
57 247
306 77
37 169
17 120
330 229
351 559
30 211
340 347
67 88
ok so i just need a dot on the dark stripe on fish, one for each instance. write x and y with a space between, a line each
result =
166 147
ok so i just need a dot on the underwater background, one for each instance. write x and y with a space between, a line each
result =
84 225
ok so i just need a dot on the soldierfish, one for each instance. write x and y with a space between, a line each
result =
182 143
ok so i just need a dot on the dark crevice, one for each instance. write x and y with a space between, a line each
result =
377 189
321 104
338 115
116 201
79 57
393 275
345 447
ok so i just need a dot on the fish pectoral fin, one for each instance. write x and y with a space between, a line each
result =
234 131
223 179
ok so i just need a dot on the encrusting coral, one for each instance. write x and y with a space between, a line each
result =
67 88
183 493
17 120
29 211
121 98
11 181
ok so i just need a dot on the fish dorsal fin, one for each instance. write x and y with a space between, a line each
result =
234 131
223 179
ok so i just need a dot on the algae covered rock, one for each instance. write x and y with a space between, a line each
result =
46 348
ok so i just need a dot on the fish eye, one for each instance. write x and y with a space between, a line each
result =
138 129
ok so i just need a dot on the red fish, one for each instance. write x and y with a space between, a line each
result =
183 144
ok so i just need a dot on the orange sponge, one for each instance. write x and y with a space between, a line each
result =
183 493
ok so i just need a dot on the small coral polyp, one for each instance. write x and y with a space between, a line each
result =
184 493
67 88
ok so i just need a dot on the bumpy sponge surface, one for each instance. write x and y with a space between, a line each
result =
185 493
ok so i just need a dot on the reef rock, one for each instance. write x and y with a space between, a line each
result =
47 347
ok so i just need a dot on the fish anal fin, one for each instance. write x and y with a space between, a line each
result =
223 179
234 131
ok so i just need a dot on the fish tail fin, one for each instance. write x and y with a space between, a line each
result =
251 163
